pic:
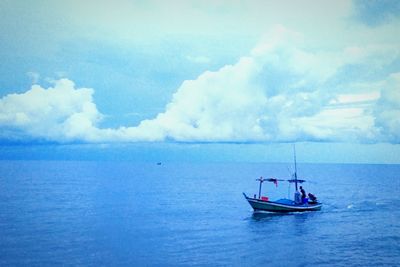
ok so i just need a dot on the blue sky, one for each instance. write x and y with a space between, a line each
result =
204 77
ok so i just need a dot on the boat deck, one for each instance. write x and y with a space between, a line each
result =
281 205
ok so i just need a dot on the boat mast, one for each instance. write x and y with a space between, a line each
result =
295 167
261 179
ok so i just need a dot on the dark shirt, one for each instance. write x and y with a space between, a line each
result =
312 197
303 193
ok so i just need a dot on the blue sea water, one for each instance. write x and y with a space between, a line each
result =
88 213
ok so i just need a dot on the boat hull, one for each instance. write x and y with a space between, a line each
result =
272 206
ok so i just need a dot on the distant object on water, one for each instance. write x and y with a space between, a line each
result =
158 163
300 202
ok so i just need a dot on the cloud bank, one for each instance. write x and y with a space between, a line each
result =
60 113
281 91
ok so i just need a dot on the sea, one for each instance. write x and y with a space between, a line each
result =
106 213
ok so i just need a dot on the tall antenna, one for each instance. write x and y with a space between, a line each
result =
295 166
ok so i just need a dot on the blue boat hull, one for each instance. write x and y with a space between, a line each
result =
283 205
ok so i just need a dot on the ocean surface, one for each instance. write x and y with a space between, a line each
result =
88 213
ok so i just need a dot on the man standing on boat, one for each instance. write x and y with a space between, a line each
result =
303 194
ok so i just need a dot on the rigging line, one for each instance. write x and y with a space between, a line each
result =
295 165
289 170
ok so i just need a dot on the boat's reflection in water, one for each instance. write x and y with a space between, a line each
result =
265 216
262 216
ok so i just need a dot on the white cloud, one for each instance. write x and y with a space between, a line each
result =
352 99
60 113
282 91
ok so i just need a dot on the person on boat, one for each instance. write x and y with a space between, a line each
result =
313 198
303 194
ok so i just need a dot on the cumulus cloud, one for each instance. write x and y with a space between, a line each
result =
281 91
59 113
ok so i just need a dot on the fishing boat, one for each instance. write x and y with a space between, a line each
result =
298 204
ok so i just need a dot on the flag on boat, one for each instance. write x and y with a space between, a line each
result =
274 180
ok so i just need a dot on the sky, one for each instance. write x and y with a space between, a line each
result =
226 80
